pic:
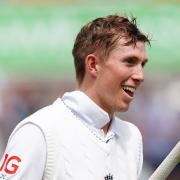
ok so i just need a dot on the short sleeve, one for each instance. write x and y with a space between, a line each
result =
25 155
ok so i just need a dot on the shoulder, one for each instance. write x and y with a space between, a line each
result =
27 132
24 149
45 117
30 123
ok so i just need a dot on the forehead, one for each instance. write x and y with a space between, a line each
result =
138 50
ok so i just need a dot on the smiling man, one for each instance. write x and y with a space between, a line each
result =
79 137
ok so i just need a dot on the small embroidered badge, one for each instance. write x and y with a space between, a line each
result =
108 177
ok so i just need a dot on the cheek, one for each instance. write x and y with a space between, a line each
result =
110 82
112 77
123 74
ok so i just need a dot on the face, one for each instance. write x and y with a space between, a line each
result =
119 76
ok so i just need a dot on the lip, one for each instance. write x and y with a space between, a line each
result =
129 89
129 96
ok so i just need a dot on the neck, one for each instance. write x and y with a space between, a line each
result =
89 92
106 127
93 96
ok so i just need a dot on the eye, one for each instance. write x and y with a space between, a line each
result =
130 61
144 63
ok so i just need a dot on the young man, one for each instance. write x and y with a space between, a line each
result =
78 137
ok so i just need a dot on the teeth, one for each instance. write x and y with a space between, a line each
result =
128 88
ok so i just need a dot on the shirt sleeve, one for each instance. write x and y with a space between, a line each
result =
25 155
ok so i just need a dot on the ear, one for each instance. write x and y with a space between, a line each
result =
92 64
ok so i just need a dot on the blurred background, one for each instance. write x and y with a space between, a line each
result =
36 65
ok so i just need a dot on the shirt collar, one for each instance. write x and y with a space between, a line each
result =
116 126
90 112
86 109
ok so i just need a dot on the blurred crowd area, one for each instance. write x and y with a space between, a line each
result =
155 110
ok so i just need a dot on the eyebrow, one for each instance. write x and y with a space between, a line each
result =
135 57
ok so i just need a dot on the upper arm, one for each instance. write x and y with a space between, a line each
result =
25 155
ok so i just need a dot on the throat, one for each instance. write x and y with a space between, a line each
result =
106 128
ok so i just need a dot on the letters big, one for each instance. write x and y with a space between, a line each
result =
7 161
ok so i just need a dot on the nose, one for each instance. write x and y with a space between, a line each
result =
138 74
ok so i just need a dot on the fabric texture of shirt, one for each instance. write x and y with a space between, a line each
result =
65 141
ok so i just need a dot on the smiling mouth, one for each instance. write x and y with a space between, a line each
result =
129 90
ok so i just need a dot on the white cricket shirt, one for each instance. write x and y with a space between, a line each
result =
26 153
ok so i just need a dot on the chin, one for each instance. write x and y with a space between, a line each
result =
123 109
